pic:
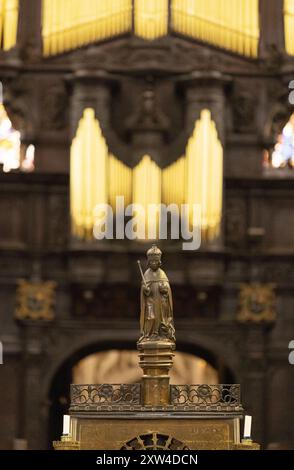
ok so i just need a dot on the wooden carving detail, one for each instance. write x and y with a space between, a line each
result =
35 300
257 303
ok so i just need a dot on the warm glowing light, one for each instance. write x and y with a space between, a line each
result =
231 24
68 24
119 181
204 155
8 23
151 18
198 178
283 153
88 174
9 143
99 177
11 149
96 177
146 191
289 25
28 163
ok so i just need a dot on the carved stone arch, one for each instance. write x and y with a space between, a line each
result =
212 349
75 345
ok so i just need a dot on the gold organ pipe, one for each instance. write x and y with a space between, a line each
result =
173 183
120 181
231 24
204 175
68 24
88 174
147 190
98 177
1 19
151 18
289 25
8 23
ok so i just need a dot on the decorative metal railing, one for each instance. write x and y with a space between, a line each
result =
207 396
105 394
193 398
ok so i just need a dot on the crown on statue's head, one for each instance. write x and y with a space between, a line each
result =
154 252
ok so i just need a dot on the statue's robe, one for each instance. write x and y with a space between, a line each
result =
156 319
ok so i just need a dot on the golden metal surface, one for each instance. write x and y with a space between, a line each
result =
8 23
151 18
156 360
98 177
246 446
195 434
156 316
66 445
69 24
232 24
146 191
197 178
289 25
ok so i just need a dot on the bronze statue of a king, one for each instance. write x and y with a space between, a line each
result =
156 319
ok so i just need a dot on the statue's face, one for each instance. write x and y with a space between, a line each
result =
154 264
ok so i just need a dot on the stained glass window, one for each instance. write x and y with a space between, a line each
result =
9 143
283 153
11 149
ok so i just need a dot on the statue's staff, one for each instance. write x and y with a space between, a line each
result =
143 278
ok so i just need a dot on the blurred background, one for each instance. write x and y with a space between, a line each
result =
180 101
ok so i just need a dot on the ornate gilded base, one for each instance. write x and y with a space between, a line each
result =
246 444
66 444
117 417
156 431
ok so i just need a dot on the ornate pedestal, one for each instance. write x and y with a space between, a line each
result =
197 417
156 359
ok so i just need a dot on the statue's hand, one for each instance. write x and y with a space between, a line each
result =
162 288
146 290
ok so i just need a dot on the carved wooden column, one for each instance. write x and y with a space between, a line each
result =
254 378
35 429
147 127
271 22
29 35
91 89
205 90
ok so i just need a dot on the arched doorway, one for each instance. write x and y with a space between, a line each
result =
118 363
